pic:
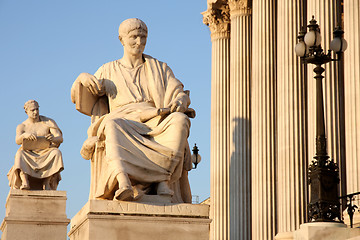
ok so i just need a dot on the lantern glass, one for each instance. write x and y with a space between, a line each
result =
195 158
335 45
312 38
338 45
300 49
344 45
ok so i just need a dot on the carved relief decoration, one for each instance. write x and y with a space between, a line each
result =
240 7
217 17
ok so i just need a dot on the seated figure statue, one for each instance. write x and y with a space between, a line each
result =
38 162
137 141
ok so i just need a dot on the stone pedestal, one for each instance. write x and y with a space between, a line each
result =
285 236
326 231
112 220
35 215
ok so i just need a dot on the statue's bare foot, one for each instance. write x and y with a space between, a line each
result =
24 187
124 194
163 189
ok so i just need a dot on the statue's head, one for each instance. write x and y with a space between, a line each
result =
131 24
32 108
132 34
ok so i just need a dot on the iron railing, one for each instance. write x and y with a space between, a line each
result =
349 205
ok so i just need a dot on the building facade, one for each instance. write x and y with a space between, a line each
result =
263 112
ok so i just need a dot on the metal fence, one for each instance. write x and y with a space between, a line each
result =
347 203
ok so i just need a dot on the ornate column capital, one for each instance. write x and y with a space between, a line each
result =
217 17
240 7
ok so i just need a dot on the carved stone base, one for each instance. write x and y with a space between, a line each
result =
326 231
35 215
113 220
154 199
285 236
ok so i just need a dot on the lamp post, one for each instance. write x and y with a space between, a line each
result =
195 157
323 172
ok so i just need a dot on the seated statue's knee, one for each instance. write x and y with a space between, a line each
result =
113 125
56 151
181 119
179 116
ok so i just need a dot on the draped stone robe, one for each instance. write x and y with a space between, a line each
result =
132 138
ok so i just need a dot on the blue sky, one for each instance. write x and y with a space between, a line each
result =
45 45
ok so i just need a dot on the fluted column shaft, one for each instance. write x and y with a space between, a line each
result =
291 122
217 17
263 116
240 133
327 15
352 94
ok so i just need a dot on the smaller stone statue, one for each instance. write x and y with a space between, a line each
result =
38 162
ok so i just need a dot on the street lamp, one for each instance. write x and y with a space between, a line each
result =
195 157
323 175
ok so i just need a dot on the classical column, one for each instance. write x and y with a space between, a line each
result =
217 18
327 13
292 156
240 132
263 118
352 96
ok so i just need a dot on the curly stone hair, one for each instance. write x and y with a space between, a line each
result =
30 102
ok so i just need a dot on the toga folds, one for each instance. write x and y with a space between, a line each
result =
132 138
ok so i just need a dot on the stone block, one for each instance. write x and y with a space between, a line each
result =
284 236
112 220
35 215
325 231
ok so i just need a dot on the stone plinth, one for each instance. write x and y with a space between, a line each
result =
285 236
326 231
112 220
35 215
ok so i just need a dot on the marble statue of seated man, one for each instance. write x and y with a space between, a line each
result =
38 162
137 141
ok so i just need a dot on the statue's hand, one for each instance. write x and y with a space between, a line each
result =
178 106
49 137
29 136
90 82
90 142
88 147
163 111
